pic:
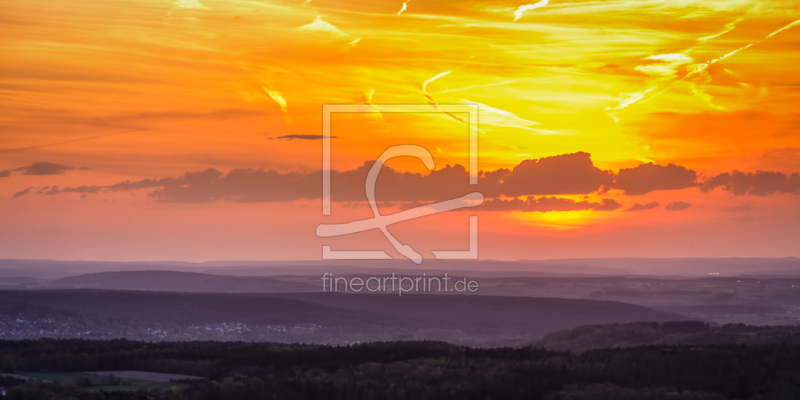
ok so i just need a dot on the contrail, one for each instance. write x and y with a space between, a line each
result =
433 101
2 151
425 85
728 27
498 117
795 23
702 67
697 70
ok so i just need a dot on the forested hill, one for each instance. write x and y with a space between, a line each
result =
667 333
405 371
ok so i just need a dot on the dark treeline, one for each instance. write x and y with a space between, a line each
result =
667 333
412 371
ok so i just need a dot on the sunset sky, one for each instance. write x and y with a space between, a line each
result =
190 129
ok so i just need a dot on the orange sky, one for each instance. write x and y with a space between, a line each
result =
110 91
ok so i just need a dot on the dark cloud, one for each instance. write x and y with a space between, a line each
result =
607 205
565 174
647 206
40 168
23 192
648 177
250 185
304 137
546 204
241 185
54 190
677 206
44 168
760 183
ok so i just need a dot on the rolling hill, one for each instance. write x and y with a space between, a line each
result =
177 281
383 316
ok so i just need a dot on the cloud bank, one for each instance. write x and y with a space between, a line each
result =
649 177
530 186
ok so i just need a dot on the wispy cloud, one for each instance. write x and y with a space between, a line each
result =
664 66
321 26
276 95
353 43
497 117
404 7
195 4
624 100
521 10
374 110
